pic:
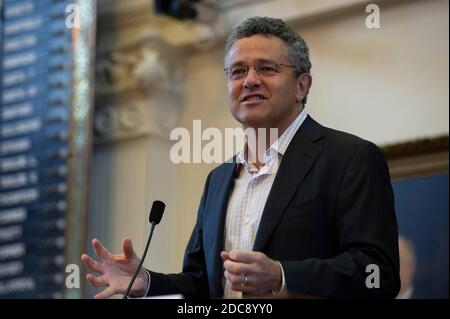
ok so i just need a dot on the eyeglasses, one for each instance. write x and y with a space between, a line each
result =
265 68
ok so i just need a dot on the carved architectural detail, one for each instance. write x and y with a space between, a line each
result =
148 65
138 90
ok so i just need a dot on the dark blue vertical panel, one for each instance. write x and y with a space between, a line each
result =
35 104
423 213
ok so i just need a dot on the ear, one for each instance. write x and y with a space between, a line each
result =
304 82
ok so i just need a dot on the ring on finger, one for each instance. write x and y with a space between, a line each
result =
245 281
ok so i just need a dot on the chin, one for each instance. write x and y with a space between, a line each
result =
253 122
252 118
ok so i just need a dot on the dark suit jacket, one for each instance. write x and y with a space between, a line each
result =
330 213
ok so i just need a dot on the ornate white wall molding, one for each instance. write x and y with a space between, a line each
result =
139 82
139 90
148 64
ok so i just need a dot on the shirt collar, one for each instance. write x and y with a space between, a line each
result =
280 145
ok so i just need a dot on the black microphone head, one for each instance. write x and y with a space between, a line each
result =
156 212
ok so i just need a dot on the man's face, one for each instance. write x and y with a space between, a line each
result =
257 100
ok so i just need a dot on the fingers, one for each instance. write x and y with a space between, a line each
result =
238 268
238 262
91 263
128 250
98 281
240 282
106 293
243 261
245 256
262 273
100 250
237 279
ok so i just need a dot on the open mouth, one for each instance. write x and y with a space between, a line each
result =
252 98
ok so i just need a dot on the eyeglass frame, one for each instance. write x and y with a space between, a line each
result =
275 65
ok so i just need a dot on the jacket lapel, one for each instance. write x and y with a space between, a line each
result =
215 225
298 159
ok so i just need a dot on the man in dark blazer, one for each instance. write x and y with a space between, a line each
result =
326 223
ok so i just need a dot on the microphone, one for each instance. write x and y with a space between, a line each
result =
154 218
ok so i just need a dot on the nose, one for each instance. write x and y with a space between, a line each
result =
252 79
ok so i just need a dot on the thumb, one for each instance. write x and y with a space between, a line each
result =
225 255
128 250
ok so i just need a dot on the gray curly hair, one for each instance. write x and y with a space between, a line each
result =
298 52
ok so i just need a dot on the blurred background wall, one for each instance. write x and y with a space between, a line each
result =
154 73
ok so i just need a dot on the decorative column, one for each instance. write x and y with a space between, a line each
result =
138 103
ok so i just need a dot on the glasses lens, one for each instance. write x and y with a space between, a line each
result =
266 68
237 72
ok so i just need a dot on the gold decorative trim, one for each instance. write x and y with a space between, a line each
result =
414 148
83 49
418 158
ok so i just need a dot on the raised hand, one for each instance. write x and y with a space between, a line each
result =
115 271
